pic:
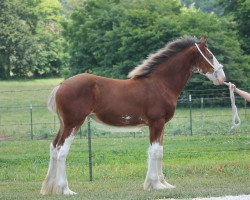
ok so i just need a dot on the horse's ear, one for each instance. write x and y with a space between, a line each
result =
203 42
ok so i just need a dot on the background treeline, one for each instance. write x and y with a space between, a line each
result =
42 38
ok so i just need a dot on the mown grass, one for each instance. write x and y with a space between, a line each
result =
197 166
213 162
26 92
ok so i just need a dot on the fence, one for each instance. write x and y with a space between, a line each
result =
193 116
23 120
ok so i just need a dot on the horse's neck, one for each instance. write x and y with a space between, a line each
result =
175 72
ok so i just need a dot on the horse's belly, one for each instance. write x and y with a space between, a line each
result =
124 123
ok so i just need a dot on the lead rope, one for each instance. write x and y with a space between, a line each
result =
235 117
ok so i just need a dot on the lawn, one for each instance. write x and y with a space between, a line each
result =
213 162
196 165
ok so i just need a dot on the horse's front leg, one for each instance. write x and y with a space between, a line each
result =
160 172
155 178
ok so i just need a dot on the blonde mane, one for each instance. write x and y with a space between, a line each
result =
162 55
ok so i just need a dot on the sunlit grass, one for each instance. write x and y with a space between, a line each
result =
213 162
197 166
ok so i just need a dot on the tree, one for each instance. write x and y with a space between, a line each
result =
48 37
17 50
204 5
223 42
30 40
111 37
240 12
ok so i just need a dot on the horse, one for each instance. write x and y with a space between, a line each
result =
148 97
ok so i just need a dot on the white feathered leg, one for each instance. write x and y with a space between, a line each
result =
61 185
152 180
160 173
49 182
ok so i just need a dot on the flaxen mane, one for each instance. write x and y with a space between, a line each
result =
161 55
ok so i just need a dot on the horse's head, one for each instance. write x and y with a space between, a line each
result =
208 65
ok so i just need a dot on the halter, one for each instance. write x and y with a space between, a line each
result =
216 66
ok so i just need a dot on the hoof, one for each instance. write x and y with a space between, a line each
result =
154 185
167 185
69 192
46 188
64 191
159 186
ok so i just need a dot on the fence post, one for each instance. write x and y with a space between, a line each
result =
54 122
81 132
90 150
245 108
190 114
202 111
31 122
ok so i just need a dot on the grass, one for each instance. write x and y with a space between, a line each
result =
198 166
15 100
213 162
26 92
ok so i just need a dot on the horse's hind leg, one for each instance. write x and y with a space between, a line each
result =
63 146
49 182
56 180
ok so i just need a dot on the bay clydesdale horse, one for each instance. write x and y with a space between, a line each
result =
148 98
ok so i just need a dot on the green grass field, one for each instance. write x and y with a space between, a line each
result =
213 162
198 166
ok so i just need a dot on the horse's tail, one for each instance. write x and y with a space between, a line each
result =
52 100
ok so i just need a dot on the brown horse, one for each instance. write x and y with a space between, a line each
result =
149 98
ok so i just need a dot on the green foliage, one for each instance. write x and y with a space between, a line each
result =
17 50
49 38
204 5
223 42
30 43
111 37
240 11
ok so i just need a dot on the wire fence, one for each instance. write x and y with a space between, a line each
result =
24 121
23 118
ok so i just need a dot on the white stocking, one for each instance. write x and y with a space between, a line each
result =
160 173
49 182
152 180
56 179
61 178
